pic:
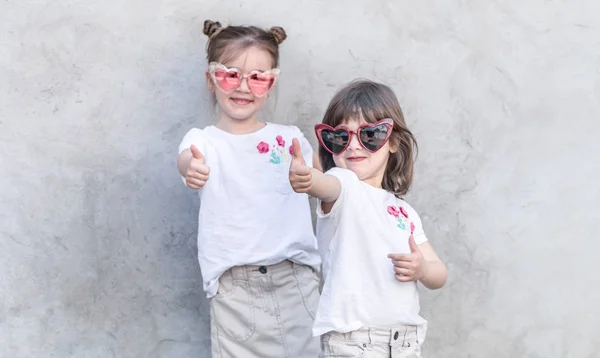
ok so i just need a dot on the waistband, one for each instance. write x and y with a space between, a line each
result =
245 272
395 336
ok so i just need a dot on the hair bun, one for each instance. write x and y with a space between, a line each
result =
212 28
278 34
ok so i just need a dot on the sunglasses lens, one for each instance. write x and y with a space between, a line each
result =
373 138
260 83
227 80
335 141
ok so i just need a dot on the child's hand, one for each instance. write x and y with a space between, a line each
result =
409 267
300 173
197 170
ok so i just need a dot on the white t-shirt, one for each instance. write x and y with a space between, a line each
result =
364 226
249 213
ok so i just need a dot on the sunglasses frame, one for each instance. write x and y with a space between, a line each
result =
213 66
388 122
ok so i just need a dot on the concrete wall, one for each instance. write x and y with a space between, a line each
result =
97 232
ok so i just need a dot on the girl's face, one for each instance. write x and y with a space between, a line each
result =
242 104
369 167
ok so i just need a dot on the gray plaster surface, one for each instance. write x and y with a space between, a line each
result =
97 232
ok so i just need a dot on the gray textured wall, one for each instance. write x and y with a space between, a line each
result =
97 232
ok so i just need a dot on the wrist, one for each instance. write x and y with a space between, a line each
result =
425 270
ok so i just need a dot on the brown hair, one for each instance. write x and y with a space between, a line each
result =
375 101
225 43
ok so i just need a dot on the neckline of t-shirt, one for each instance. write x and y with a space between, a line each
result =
223 132
380 190
369 186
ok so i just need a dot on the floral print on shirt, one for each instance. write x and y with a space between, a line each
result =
277 149
402 216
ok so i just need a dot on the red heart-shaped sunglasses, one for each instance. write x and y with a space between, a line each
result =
371 136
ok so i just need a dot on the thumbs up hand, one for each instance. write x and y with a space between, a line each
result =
300 174
197 170
409 267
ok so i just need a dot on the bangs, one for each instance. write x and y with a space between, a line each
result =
233 50
356 101
234 40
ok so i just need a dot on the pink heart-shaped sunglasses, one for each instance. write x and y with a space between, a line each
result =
230 79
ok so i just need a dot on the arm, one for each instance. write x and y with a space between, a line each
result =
325 187
422 264
184 161
435 272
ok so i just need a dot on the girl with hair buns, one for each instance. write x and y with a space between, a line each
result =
256 246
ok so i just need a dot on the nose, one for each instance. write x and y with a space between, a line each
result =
244 85
354 143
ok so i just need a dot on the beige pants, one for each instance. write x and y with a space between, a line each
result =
400 342
266 311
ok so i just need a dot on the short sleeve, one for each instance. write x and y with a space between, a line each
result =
349 183
419 232
193 136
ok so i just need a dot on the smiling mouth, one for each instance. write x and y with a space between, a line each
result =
241 101
356 159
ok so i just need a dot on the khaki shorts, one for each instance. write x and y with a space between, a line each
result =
399 342
265 311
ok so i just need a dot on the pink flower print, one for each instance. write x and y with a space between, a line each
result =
412 227
262 147
404 212
280 141
291 150
392 210
402 219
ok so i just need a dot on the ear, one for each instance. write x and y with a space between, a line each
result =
209 83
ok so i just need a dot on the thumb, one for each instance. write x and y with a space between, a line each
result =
413 246
297 151
196 153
